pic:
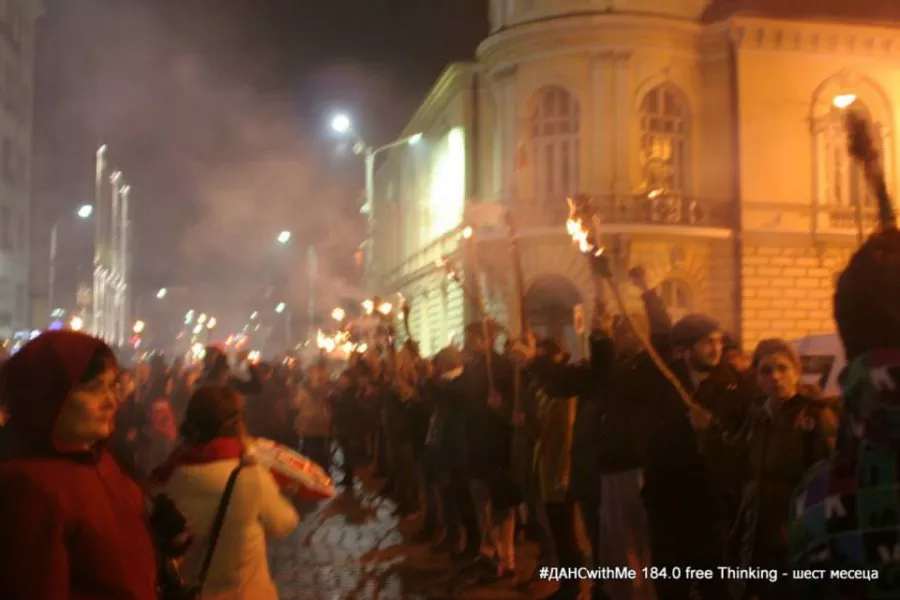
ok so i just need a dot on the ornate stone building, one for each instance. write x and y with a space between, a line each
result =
708 133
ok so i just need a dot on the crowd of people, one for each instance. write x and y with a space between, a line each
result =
667 447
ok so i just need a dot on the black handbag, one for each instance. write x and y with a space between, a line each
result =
171 584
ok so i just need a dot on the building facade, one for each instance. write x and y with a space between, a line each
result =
113 251
17 49
709 135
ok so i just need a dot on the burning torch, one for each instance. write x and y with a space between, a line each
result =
582 227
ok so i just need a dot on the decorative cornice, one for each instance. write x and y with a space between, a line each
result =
503 73
441 93
588 34
814 38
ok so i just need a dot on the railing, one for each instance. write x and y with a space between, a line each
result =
847 217
634 209
612 209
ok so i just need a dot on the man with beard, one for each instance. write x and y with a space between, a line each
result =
691 490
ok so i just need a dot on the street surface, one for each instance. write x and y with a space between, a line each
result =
351 547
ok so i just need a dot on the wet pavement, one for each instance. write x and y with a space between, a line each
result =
352 547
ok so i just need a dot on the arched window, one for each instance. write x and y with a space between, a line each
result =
555 124
676 297
842 184
665 139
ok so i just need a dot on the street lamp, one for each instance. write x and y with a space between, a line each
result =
844 100
342 125
76 323
139 327
281 308
84 211
284 237
162 293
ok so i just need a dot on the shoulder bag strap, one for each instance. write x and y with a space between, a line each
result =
217 525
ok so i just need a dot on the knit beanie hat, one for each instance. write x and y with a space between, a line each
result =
693 328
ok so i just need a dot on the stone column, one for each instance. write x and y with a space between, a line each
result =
600 133
503 86
623 119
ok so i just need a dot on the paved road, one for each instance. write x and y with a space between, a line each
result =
351 547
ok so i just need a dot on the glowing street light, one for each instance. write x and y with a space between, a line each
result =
280 308
844 101
162 293
139 327
254 315
211 324
341 123
85 211
189 317
284 237
76 323
202 318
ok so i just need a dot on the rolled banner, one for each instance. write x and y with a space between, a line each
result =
295 474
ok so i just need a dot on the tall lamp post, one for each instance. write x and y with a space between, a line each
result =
341 124
84 212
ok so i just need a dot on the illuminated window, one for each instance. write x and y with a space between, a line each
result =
842 183
555 126
676 296
665 138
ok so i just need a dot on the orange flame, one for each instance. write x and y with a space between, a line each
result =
580 232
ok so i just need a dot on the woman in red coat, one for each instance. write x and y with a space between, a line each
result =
72 522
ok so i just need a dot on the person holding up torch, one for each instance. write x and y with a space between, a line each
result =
843 518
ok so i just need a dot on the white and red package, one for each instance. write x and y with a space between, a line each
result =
295 474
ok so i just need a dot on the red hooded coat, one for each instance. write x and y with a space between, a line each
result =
72 526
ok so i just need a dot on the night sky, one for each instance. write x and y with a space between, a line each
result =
217 112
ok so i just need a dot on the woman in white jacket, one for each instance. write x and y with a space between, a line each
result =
195 477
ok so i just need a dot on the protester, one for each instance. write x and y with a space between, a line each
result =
195 477
833 524
786 434
73 524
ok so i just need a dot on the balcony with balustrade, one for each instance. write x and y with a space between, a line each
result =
636 213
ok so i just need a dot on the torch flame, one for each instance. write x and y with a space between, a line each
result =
368 306
338 314
467 233
385 308
580 232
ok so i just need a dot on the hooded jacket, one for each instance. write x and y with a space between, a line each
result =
73 525
845 514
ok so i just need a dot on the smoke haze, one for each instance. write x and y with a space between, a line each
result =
217 116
